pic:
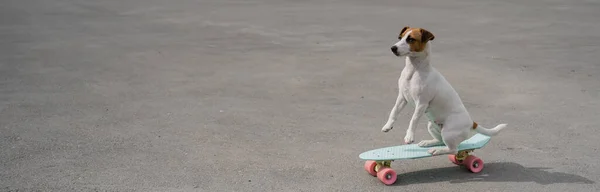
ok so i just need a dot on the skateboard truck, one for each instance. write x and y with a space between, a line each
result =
462 155
382 164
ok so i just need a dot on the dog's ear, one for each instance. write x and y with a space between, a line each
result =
426 36
402 31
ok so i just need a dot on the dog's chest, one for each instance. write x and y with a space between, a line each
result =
408 90
411 83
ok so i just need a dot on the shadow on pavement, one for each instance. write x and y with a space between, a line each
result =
493 172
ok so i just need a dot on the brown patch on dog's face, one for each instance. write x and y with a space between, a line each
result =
417 39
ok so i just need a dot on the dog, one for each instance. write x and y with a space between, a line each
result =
422 86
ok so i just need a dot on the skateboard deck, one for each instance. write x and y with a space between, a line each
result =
413 151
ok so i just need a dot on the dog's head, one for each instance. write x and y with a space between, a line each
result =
412 41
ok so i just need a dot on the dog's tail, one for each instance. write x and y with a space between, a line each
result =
486 131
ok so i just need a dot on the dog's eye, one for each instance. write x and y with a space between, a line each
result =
410 40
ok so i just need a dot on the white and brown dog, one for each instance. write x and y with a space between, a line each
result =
429 92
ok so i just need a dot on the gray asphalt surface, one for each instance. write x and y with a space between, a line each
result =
265 95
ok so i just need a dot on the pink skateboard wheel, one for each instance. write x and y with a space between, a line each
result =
474 164
370 167
387 176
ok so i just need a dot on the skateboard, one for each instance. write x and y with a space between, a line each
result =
379 161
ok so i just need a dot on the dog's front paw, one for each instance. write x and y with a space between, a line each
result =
438 151
429 143
386 128
409 138
433 151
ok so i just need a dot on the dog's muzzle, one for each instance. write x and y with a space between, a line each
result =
395 50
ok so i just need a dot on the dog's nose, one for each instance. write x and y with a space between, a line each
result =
394 49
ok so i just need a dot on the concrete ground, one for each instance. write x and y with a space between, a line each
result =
266 95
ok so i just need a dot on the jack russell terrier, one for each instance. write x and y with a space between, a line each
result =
429 92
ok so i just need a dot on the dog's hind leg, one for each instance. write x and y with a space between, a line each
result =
435 132
453 134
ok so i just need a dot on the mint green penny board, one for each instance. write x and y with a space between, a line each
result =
413 151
